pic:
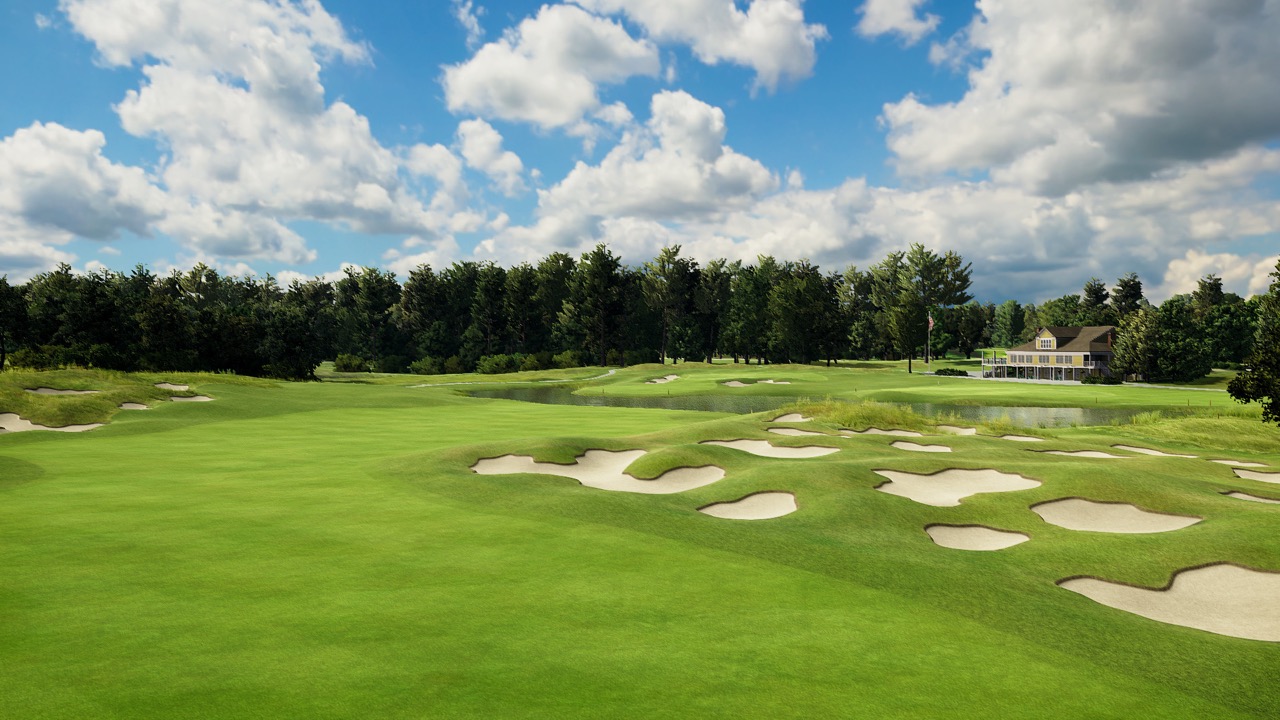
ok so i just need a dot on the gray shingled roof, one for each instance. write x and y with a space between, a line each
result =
1092 338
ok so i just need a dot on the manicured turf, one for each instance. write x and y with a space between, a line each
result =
322 550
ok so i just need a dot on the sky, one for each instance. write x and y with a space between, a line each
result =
1045 141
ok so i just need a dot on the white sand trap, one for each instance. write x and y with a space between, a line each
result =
1251 498
10 422
1149 451
1260 477
759 506
1090 516
949 487
764 449
171 386
1239 463
1222 599
1085 454
662 380
193 398
52 391
603 470
734 383
133 406
792 432
775 382
1021 438
792 417
957 430
914 447
974 537
878 431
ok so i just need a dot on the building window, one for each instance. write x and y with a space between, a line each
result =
1044 359
1046 344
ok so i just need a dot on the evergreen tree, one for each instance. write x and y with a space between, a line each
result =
13 319
1094 309
1260 380
1009 324
1127 295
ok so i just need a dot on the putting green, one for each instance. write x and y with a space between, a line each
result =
323 550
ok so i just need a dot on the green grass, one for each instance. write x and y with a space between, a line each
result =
322 550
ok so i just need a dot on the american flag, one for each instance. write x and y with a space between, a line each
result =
930 321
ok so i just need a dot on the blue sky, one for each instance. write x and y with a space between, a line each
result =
1047 142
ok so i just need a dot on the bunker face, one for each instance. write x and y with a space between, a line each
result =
662 380
792 432
603 470
1221 599
171 386
740 384
133 406
957 430
52 391
735 384
1260 477
914 447
792 417
949 487
1085 454
10 422
974 537
1149 451
878 431
764 449
775 382
1238 463
760 506
1021 438
1090 516
1251 498
193 398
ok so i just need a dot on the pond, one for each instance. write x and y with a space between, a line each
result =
744 404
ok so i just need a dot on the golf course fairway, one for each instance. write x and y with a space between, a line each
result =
325 550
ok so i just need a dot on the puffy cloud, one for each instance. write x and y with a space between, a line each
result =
468 16
770 36
1068 94
56 178
1243 275
545 70
898 17
416 251
482 149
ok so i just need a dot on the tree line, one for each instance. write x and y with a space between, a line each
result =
564 312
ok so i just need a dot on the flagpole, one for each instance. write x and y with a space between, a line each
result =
928 343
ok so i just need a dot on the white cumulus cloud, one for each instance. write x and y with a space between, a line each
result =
482 149
897 17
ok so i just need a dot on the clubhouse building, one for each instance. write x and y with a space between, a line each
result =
1056 353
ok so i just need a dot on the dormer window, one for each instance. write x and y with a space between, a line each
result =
1046 344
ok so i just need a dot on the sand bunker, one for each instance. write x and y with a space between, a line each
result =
662 380
792 417
764 449
193 398
904 445
974 537
949 487
1260 477
133 406
1021 438
735 383
1085 454
792 432
1149 451
740 384
1251 498
1222 599
1090 516
603 470
52 391
775 382
1239 463
171 386
878 431
957 430
10 422
758 506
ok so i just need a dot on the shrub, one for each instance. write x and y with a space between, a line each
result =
392 364
454 366
426 366
529 363
350 363
1102 380
33 358
567 359
640 357
498 364
951 372
614 357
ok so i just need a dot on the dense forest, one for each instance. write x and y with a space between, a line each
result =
566 312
